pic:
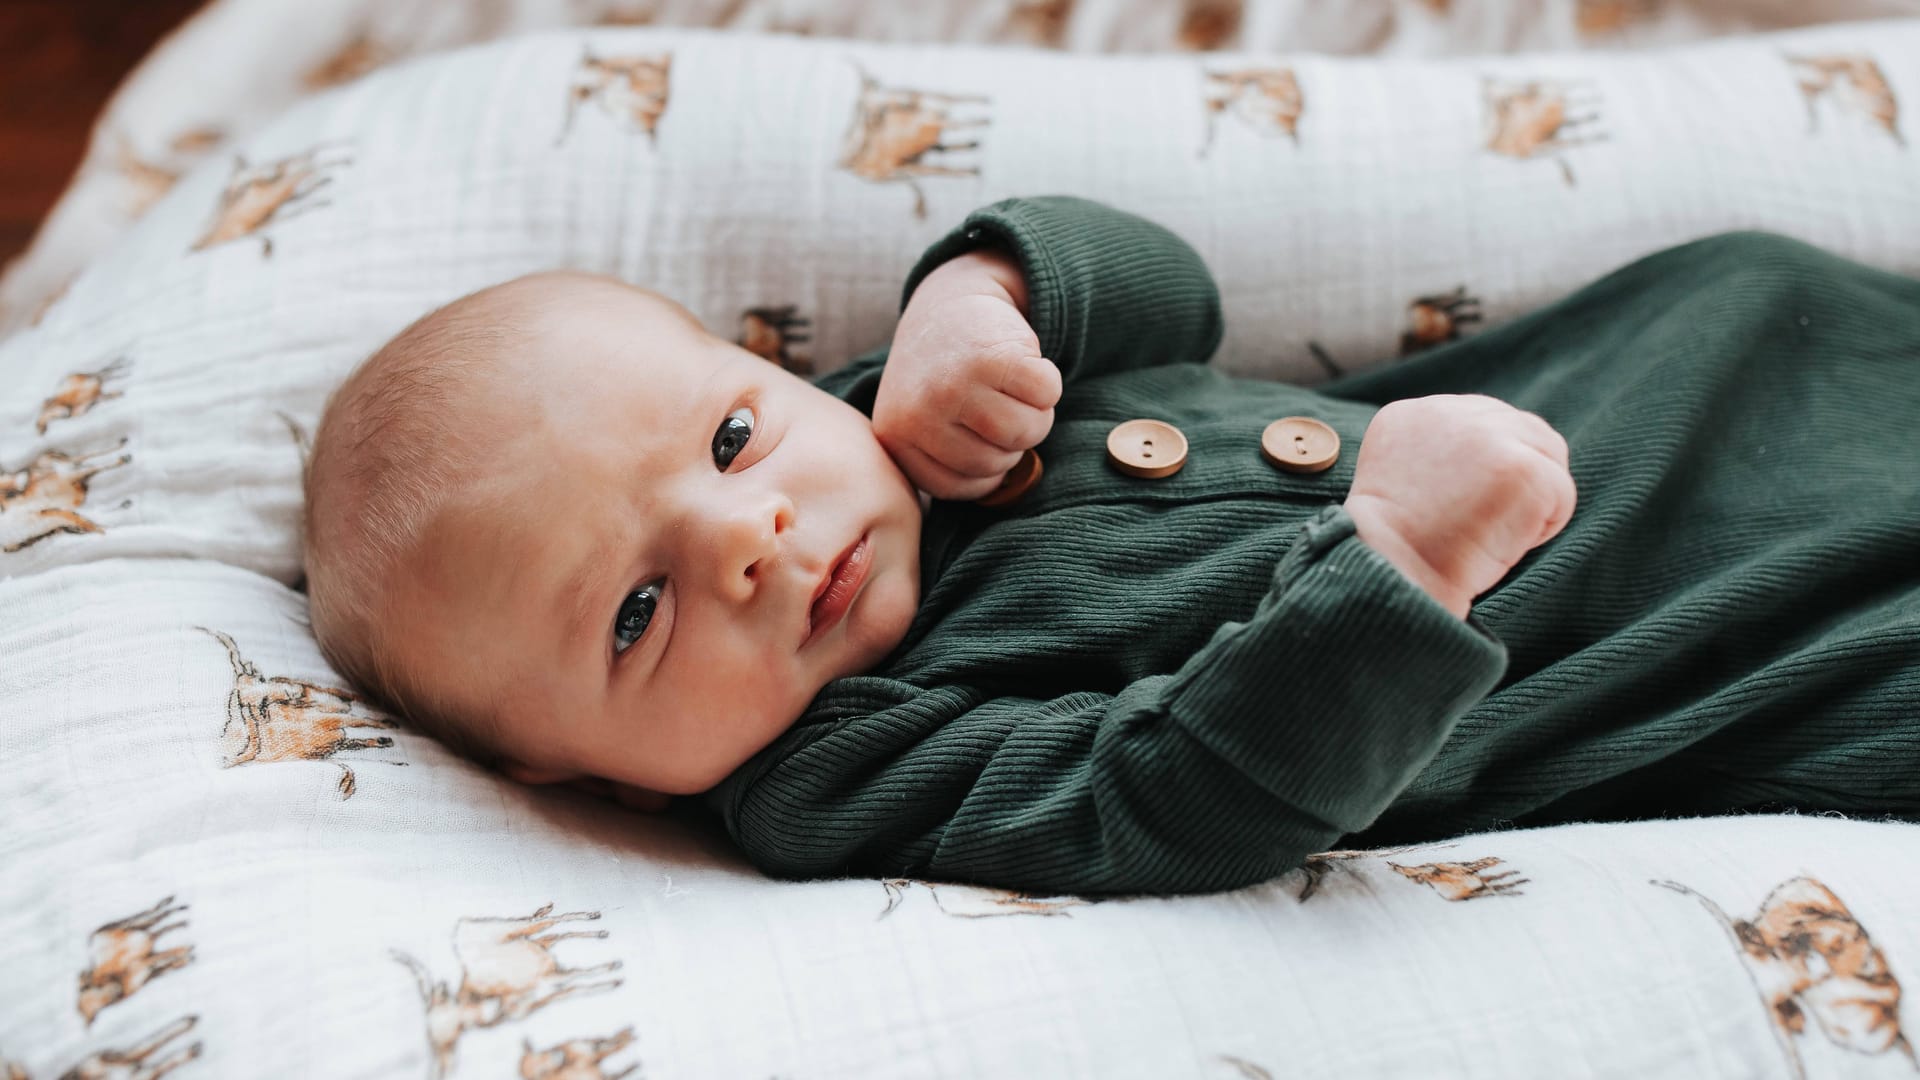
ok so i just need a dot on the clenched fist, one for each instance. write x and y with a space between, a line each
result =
965 390
1454 488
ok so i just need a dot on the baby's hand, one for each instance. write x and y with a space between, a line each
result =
1454 489
965 390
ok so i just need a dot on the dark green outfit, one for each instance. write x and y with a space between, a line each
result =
1191 683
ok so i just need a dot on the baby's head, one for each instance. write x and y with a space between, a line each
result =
563 528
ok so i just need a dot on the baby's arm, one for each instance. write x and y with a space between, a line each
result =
1284 734
966 390
1105 290
970 383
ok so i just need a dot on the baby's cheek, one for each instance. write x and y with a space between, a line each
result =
885 619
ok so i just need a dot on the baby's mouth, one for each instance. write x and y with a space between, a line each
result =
835 591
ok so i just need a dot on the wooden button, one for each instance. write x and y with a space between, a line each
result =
1300 444
1024 474
1147 448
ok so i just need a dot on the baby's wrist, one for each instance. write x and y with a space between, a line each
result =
981 272
1374 532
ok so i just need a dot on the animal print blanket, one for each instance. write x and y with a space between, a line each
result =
218 860
238 63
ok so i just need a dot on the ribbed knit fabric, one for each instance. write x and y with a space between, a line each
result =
1191 683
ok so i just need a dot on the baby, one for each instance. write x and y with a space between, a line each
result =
561 527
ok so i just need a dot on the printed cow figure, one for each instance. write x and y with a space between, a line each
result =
43 499
894 130
126 957
132 1063
1268 100
1435 320
1535 119
978 901
1809 957
630 89
260 195
274 718
1854 81
1463 881
1317 867
80 392
771 332
1595 17
575 1059
507 973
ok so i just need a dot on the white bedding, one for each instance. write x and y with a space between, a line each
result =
285 884
239 63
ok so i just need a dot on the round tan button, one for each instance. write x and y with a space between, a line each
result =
1147 448
1024 474
1300 444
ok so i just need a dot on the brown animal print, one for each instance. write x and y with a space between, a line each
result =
628 14
1808 956
769 332
1043 22
124 957
79 393
43 499
1463 881
1207 24
507 973
1434 320
575 1059
279 719
261 195
630 89
974 901
1535 119
1595 17
358 56
893 131
146 181
1854 82
1268 100
131 1063
195 142
1317 867
1247 1069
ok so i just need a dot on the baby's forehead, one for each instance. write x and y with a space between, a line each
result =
571 319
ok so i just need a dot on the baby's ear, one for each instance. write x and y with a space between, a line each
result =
534 774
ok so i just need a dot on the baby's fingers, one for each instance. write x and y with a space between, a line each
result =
965 453
943 482
1002 421
1027 378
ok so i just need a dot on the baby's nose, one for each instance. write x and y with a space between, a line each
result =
750 544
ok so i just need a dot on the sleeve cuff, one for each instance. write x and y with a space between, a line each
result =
1106 290
1002 226
1358 674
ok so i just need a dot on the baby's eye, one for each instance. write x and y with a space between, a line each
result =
634 616
732 436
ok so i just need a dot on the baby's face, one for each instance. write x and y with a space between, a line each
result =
632 588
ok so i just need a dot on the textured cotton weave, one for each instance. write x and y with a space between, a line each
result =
1192 683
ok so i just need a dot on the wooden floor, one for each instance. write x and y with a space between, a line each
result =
59 62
